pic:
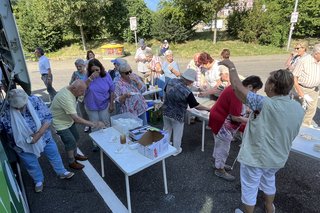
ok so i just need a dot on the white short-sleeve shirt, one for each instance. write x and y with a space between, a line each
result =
44 65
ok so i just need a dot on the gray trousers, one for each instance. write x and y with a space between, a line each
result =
176 127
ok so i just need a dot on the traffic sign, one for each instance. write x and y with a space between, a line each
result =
133 23
294 17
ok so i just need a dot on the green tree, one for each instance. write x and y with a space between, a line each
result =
272 25
38 24
84 18
117 19
309 19
169 23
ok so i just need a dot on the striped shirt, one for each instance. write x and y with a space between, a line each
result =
307 71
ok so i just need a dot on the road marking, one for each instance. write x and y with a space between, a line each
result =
102 187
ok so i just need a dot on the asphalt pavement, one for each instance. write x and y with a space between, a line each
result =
192 185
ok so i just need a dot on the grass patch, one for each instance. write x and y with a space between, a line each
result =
199 43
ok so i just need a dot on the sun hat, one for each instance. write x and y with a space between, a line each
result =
124 68
17 98
190 75
119 61
141 42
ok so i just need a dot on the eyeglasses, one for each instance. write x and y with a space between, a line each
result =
128 73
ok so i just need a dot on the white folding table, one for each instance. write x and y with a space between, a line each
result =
305 142
152 91
204 117
130 161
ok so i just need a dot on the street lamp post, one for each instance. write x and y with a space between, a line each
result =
294 19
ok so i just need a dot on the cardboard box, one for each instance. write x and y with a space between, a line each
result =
136 133
124 122
153 143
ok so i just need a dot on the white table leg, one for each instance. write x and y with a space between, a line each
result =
164 176
102 163
203 132
128 193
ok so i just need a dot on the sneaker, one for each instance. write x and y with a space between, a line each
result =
226 167
86 129
224 175
238 211
76 165
81 157
178 152
38 187
66 175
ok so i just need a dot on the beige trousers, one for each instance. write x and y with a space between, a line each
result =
311 106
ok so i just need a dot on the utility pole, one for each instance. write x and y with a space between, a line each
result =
294 19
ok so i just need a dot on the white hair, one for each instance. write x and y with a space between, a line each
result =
168 52
316 48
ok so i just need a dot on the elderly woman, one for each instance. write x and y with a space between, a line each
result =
212 69
128 91
154 67
80 73
226 117
300 50
164 47
26 121
273 124
99 96
170 67
221 84
178 97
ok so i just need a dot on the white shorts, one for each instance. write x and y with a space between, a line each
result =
252 179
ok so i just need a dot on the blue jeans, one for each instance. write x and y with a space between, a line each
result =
143 117
160 84
31 163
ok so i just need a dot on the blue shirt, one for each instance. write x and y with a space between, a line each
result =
167 72
43 113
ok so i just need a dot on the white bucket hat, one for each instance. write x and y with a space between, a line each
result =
190 75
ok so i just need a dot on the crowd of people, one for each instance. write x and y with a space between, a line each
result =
269 123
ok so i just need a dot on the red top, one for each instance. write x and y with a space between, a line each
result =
227 103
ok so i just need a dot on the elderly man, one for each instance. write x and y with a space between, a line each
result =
140 57
45 71
65 116
307 81
177 98
26 121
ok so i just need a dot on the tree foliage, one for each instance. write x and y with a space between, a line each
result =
272 25
45 23
170 23
38 24
88 14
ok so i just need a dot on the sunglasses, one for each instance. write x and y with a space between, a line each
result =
128 73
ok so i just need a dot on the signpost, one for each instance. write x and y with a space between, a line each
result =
133 27
293 20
